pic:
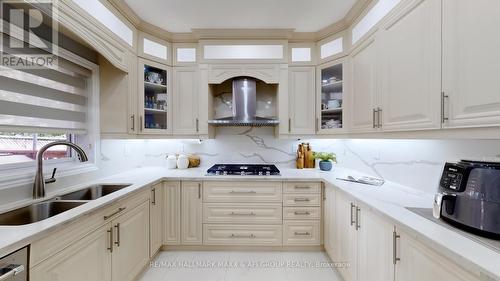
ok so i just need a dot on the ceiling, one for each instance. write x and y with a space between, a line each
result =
184 15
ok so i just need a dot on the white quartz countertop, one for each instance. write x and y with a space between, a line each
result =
389 201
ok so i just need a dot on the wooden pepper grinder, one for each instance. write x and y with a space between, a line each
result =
310 163
300 157
300 161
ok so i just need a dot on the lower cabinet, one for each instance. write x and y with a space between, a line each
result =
345 243
118 250
191 213
329 229
156 219
364 241
172 213
131 251
416 262
87 259
375 247
375 250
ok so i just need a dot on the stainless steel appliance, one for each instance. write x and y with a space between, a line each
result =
469 197
244 106
14 267
243 170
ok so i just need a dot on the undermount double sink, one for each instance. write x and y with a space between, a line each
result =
43 210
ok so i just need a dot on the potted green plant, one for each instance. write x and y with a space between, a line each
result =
326 160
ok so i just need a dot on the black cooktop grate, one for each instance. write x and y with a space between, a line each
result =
244 170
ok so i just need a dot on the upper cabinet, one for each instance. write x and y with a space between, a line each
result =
301 88
410 68
186 101
471 63
331 97
154 99
365 97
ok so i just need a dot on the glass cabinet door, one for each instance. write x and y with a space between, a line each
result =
331 99
154 97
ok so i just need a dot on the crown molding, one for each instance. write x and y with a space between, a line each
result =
225 33
200 33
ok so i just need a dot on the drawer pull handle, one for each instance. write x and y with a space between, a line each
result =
242 236
115 213
302 213
242 214
302 199
302 233
302 187
243 192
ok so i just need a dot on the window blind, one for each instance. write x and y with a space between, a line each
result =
51 100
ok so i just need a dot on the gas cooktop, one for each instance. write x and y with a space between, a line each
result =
243 170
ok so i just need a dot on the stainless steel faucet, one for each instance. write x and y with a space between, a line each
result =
39 185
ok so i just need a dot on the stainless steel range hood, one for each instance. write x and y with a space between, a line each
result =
244 106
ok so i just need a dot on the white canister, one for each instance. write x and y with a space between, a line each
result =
182 161
171 162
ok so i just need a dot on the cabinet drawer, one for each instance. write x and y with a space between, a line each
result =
244 213
301 199
301 232
301 213
230 234
232 192
301 187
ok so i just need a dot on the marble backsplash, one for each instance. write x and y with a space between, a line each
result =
414 163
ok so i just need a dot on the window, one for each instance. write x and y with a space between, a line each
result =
46 103
332 48
155 49
243 52
301 54
382 8
23 147
97 10
186 54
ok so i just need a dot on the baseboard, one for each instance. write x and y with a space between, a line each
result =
242 248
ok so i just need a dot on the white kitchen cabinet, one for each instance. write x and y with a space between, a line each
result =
363 239
365 96
471 63
172 212
346 240
154 98
329 229
418 262
118 97
374 247
87 259
191 213
411 67
131 241
186 101
332 98
156 219
301 87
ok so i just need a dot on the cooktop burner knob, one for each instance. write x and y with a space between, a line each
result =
268 173
217 173
260 173
225 173
242 173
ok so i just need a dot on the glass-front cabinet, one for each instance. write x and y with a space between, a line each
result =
331 98
155 108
